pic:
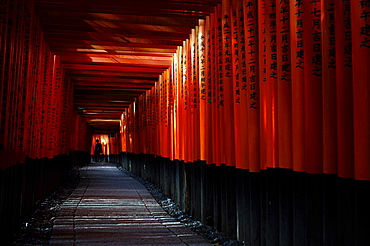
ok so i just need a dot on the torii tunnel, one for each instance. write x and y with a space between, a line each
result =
253 115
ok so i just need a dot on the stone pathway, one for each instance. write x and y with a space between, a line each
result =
109 207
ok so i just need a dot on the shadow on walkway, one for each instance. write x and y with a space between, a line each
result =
110 207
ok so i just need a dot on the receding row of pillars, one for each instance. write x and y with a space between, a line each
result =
272 207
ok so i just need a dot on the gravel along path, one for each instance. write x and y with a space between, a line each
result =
37 229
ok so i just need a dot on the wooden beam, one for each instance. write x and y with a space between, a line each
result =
116 61
129 19
108 53
115 68
112 74
147 8
114 25
95 43
91 94
113 83
58 48
121 58
101 104
103 107
90 88
107 79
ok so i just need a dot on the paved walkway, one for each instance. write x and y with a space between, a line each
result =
109 207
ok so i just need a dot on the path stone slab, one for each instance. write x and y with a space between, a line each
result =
111 208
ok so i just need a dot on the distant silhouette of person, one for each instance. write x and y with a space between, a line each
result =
98 149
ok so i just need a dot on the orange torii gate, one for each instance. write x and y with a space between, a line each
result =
256 86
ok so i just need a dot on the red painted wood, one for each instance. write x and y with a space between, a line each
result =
283 132
236 84
227 104
242 118
195 93
192 99
311 117
330 133
313 88
298 80
216 98
269 88
360 23
252 26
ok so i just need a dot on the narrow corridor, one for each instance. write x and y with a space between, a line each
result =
109 207
253 117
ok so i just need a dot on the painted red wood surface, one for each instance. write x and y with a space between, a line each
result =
313 88
236 82
217 24
329 89
258 84
227 78
36 111
297 63
242 117
344 88
360 28
254 67
269 96
277 88
207 92
283 128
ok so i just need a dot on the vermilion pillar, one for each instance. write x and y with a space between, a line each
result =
360 28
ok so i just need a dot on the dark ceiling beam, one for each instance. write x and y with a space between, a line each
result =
90 89
104 127
111 74
102 33
126 11
128 56
101 113
99 107
102 116
117 80
96 99
139 39
107 93
114 26
115 68
107 45
104 103
104 123
48 16
136 3
121 2
112 84
58 48
102 99
96 53
113 40
160 63
137 7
